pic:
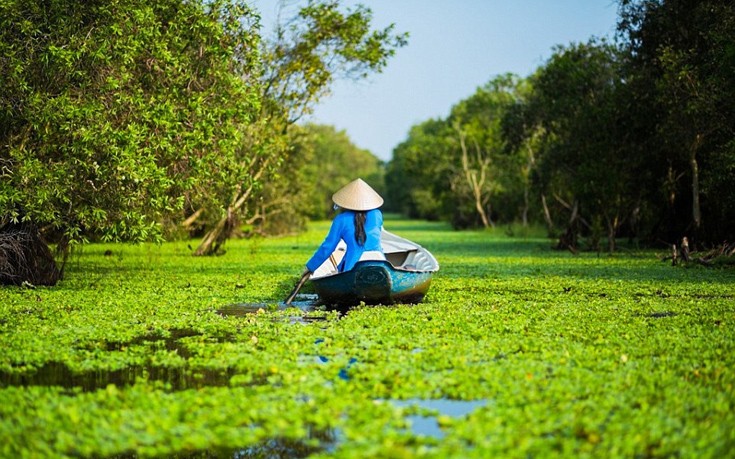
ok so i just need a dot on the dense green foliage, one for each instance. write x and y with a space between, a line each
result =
682 75
114 112
120 119
596 356
631 139
574 118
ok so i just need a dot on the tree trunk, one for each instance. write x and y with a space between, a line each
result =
483 215
191 219
222 230
25 258
217 236
612 228
696 212
530 165
547 215
475 184
568 240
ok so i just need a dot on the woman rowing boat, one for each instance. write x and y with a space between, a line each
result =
359 224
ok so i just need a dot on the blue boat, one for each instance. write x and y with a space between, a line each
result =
403 275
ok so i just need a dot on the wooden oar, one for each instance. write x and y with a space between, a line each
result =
304 278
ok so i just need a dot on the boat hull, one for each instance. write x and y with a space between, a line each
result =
373 282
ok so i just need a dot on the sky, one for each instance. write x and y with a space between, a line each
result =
454 47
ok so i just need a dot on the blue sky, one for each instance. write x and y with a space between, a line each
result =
454 47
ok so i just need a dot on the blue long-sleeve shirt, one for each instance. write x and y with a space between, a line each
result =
343 228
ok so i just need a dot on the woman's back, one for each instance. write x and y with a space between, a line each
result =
343 228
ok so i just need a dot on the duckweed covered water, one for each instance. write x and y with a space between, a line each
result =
517 351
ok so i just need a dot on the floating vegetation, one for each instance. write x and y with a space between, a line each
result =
518 350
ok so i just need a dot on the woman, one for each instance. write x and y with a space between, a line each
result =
359 225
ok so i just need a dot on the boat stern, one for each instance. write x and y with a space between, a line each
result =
373 283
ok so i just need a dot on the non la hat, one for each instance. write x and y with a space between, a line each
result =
357 195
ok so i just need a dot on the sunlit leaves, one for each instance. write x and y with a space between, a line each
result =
117 111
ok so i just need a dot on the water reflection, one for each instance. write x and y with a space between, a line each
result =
287 449
302 306
60 375
277 448
428 425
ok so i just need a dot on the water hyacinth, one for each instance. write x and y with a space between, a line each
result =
517 350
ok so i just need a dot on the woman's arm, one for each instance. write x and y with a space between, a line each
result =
330 243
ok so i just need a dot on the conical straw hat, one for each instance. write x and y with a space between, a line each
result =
357 195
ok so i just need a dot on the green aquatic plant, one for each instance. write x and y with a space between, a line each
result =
141 351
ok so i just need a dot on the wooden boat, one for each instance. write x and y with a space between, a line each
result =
403 276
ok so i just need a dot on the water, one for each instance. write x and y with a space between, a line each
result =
301 306
60 375
428 425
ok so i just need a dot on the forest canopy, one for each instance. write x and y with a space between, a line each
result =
128 120
627 138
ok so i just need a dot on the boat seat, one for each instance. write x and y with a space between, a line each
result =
372 255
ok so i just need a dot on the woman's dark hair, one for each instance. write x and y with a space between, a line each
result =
360 235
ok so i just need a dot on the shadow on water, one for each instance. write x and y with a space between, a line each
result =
60 375
277 448
288 449
177 378
304 307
